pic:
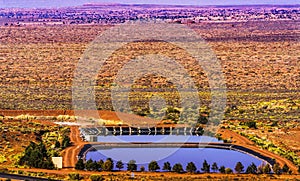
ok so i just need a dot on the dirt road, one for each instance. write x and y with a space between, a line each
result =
242 141
70 153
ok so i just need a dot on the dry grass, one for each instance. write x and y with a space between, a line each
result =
38 62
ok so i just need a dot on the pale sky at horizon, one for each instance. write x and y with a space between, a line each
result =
65 3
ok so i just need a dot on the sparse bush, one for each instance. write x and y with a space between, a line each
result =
177 168
251 169
228 171
153 166
222 169
131 165
205 167
276 169
80 165
251 124
96 178
108 165
167 166
75 176
285 169
119 165
267 169
239 167
191 167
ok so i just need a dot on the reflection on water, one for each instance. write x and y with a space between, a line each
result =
143 156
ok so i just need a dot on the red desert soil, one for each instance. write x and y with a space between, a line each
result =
238 139
70 153
170 175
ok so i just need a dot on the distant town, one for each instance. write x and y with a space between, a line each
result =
119 13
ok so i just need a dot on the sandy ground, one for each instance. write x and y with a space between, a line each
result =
169 175
70 153
242 141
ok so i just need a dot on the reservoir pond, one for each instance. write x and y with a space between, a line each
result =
143 156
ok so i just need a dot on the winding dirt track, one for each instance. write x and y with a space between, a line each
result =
242 141
70 153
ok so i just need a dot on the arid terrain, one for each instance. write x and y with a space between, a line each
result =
258 49
69 154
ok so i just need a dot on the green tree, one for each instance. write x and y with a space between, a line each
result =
57 144
239 167
100 164
112 163
214 167
177 168
153 166
42 149
48 164
276 169
36 159
66 142
119 165
267 169
191 167
205 167
142 169
108 165
228 170
251 124
96 166
131 165
285 169
251 169
96 178
222 169
167 166
36 156
89 165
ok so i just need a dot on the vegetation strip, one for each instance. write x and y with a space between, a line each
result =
21 177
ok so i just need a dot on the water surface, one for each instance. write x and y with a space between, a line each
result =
143 156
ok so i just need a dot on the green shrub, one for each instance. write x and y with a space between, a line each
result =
228 171
36 156
2 159
74 176
251 124
96 178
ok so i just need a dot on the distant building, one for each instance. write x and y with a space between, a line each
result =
57 162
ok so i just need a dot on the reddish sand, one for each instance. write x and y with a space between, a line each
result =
70 154
242 141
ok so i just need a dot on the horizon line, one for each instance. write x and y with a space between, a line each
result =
148 4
